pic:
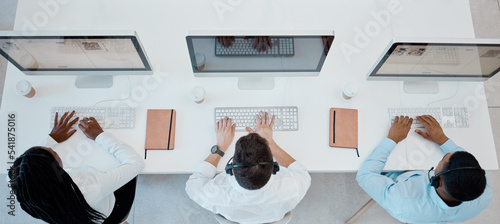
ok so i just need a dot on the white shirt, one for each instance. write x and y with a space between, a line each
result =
223 195
96 186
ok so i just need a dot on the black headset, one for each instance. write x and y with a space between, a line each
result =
434 180
230 166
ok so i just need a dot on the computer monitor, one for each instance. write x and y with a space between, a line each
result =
420 62
305 55
94 56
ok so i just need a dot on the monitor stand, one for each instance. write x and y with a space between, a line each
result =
94 81
255 83
420 87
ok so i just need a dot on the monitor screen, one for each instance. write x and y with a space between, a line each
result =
74 53
283 54
439 60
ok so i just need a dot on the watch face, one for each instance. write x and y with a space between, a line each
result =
214 149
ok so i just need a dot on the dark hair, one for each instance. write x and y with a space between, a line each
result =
251 149
464 185
45 191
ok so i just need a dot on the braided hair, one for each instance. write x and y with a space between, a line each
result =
45 191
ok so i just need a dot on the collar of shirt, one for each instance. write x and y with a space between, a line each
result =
436 199
435 196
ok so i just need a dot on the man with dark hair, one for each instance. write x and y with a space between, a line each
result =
248 150
456 191
254 189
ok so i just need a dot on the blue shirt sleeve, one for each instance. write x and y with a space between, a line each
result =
369 177
450 147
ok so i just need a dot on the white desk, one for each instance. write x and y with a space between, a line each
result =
162 26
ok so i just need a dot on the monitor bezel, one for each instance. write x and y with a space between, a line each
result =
274 33
395 42
131 35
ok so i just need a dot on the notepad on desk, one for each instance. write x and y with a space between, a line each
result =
160 130
344 128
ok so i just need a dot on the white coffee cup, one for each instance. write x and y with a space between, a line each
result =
200 61
24 88
197 94
350 90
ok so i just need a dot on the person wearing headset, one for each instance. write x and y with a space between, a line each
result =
57 194
457 191
254 189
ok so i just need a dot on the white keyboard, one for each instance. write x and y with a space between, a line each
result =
448 117
107 117
287 118
282 46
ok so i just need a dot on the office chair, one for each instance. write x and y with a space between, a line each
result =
124 196
285 220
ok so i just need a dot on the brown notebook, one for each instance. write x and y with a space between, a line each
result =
344 128
160 130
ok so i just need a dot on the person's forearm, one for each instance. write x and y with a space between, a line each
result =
120 150
375 162
369 176
213 159
281 156
48 141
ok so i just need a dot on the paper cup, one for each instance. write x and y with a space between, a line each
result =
197 94
350 90
24 88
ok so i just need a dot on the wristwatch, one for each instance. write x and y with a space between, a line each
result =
215 149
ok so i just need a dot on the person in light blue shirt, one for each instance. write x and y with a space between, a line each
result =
456 191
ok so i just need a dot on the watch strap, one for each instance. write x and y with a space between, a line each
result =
217 151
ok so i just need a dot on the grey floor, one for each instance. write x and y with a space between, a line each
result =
332 198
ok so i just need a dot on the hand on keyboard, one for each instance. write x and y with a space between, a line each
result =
260 43
90 127
434 131
264 126
62 127
226 41
400 128
108 117
225 133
